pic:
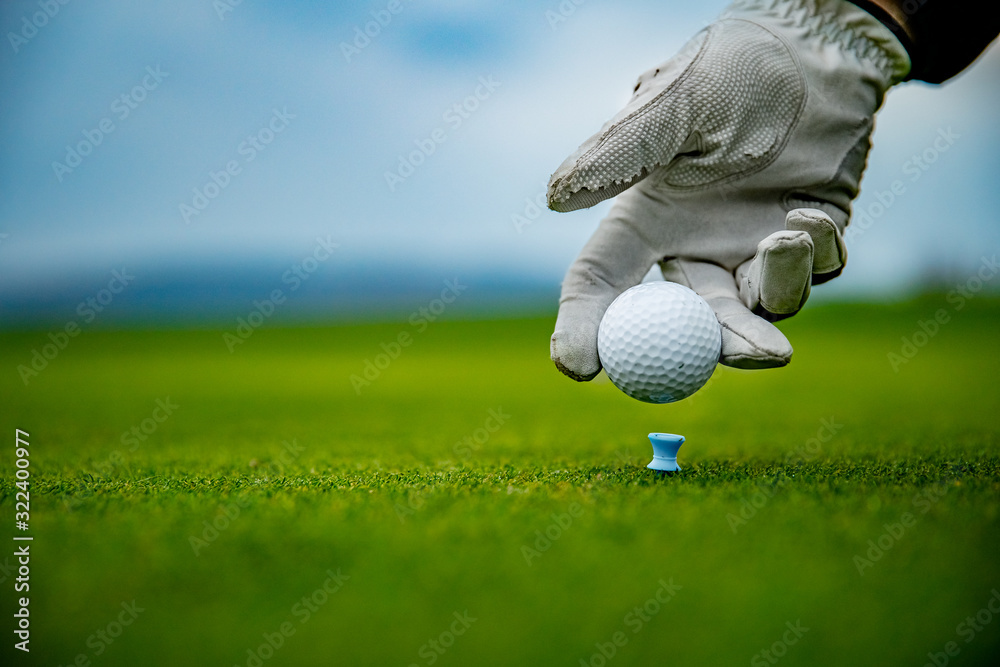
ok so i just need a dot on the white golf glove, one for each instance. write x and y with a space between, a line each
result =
737 162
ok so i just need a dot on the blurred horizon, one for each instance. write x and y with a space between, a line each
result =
168 299
205 147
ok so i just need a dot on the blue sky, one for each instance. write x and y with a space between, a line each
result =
345 120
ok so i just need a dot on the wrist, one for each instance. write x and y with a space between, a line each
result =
942 37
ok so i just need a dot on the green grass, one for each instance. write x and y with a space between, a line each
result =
381 487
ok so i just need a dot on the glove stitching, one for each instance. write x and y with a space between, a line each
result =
572 182
749 342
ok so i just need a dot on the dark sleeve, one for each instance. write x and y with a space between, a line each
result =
943 37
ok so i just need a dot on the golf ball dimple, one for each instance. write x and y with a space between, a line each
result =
659 342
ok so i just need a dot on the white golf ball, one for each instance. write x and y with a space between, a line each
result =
659 342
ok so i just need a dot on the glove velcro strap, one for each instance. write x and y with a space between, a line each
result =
838 22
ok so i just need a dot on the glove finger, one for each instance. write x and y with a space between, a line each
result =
774 284
830 253
650 131
747 340
614 259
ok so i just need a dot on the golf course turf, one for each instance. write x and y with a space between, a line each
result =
459 502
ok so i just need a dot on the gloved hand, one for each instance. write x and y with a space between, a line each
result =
736 163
